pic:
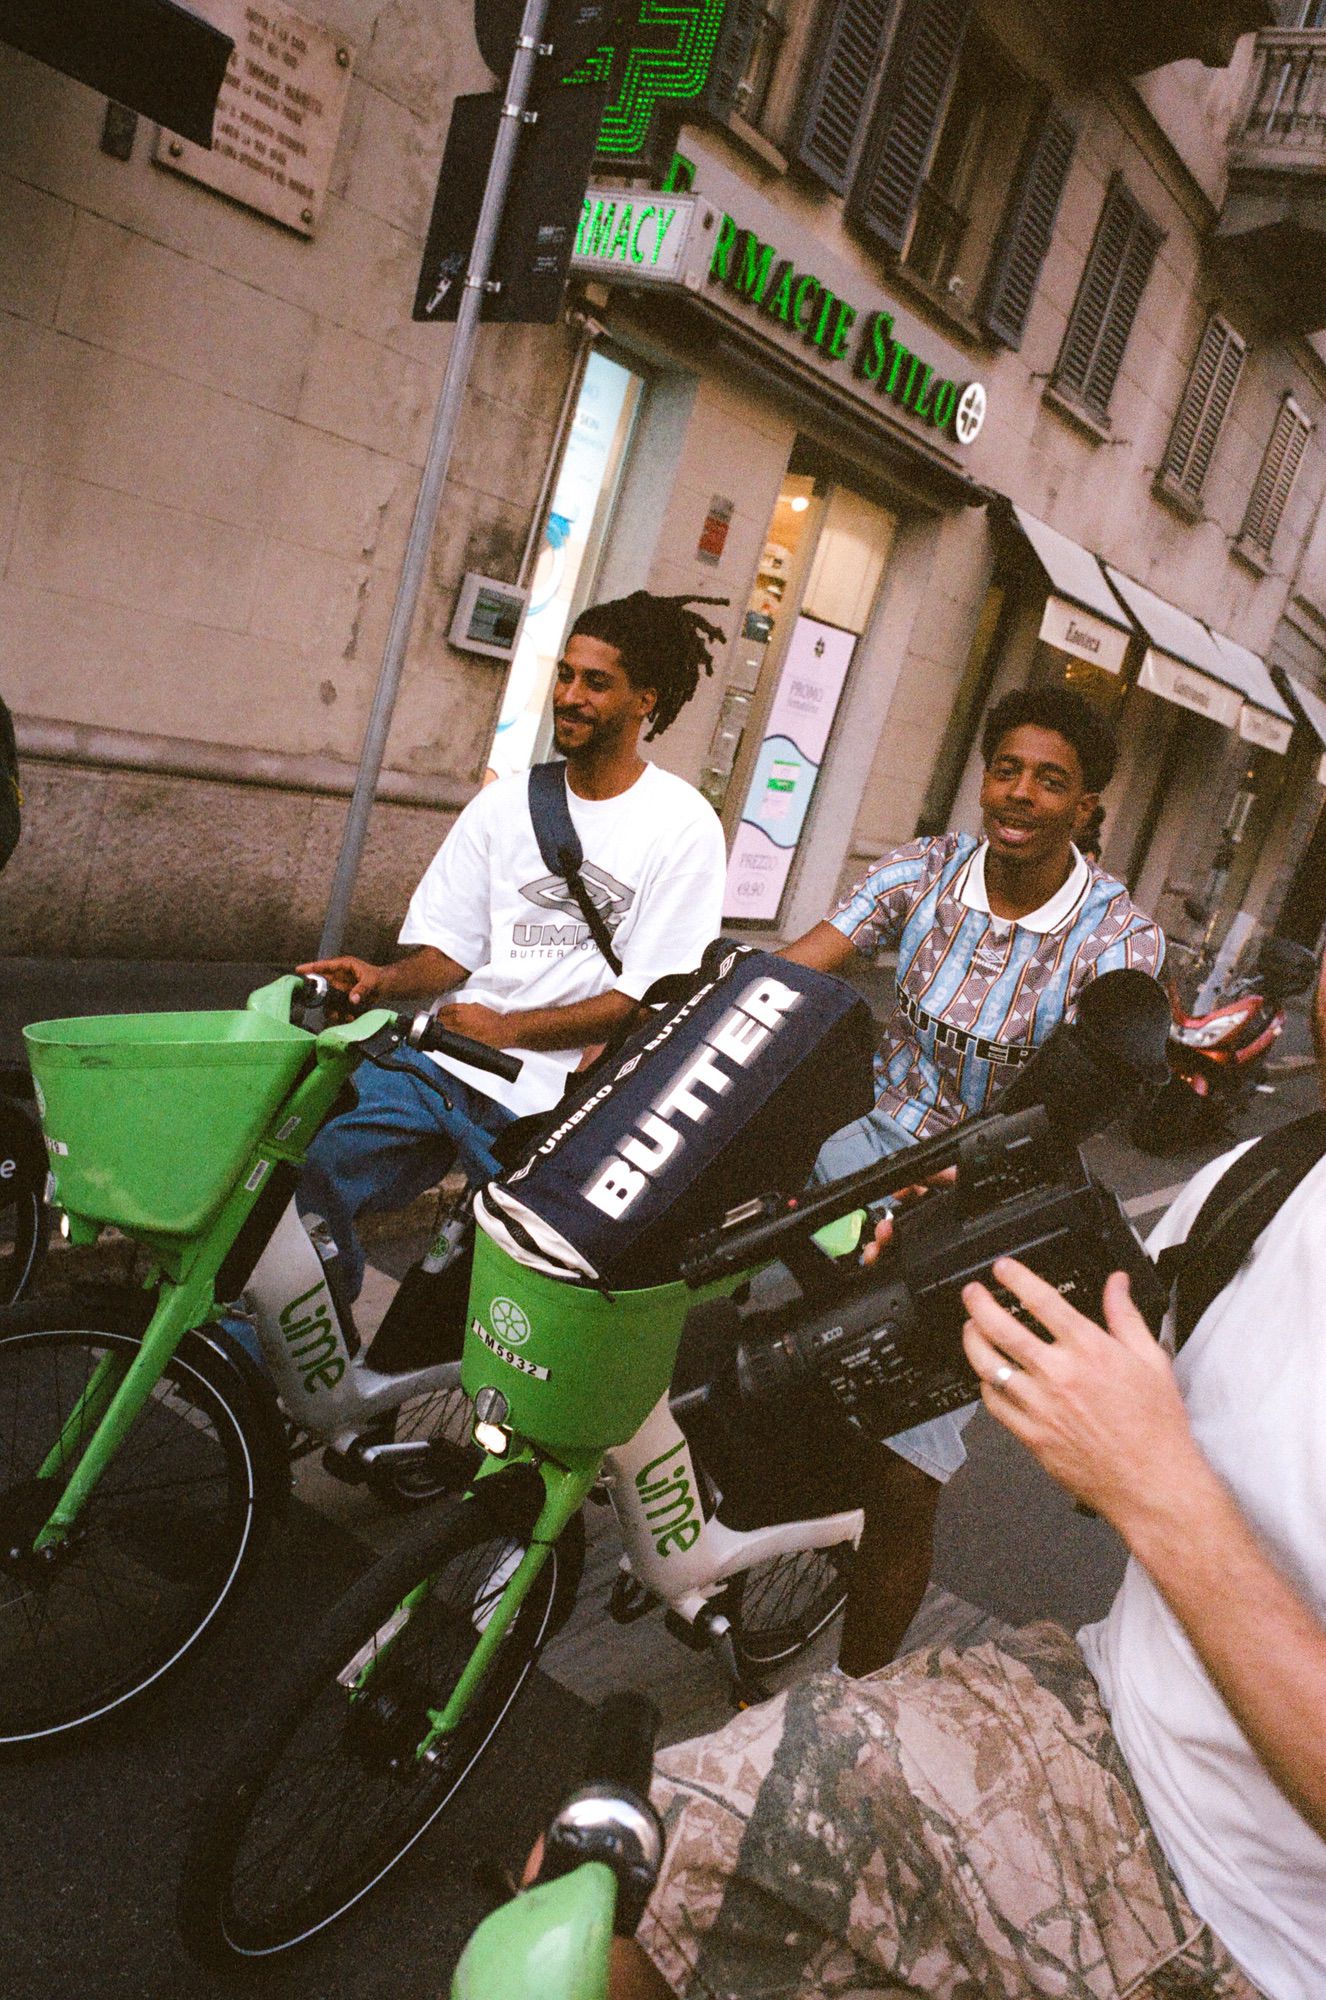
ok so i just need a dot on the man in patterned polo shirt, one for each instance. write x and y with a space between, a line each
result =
996 939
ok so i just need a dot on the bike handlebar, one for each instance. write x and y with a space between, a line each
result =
621 1744
423 1032
429 1035
608 1817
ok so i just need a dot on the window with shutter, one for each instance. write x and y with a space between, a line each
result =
1028 228
1202 413
841 87
1279 469
913 96
1118 266
748 45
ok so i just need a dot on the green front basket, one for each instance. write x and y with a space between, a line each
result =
580 1370
149 1118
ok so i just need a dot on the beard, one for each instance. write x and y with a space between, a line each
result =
586 733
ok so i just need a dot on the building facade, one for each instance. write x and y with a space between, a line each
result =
956 346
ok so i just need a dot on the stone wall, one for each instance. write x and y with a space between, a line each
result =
211 436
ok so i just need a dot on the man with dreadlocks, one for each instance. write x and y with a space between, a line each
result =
489 924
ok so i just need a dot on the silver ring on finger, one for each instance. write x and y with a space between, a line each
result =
1004 1374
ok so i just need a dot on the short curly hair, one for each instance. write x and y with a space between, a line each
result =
1066 712
664 645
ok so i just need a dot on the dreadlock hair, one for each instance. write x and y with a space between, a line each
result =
663 645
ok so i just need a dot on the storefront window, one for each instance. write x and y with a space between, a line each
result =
819 575
1053 668
586 485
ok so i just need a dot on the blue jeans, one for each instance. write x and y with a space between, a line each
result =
400 1139
936 1447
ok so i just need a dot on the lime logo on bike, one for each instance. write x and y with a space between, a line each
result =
665 1490
510 1320
518 1361
312 1338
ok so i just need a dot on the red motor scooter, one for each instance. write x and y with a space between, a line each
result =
1217 1058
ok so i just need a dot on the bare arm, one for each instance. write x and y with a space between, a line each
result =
569 1027
824 949
421 976
1101 1410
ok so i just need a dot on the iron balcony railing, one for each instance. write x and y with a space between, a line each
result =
1284 130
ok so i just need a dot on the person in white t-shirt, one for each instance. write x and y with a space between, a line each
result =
491 927
1142 1813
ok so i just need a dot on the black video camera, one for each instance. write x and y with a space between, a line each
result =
885 1342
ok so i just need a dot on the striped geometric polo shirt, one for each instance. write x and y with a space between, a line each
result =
978 993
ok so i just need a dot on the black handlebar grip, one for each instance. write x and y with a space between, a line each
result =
432 1037
621 1744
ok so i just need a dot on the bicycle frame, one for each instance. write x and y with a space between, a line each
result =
185 1271
670 1547
323 1386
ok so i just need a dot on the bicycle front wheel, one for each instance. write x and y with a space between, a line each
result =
783 1604
327 1793
162 1539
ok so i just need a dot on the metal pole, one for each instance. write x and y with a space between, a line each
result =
445 422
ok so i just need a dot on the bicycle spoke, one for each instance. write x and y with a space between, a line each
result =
154 1548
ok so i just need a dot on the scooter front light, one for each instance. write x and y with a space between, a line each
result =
491 1410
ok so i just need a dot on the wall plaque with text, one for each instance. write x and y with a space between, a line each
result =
278 115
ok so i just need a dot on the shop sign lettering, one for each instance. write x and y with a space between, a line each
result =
624 235
808 309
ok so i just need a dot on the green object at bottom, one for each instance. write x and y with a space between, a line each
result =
580 1370
149 1118
553 1942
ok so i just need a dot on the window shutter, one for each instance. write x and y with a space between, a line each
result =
1118 267
911 104
833 111
1279 469
1202 412
1028 227
736 45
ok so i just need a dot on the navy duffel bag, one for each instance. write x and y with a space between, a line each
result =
726 1094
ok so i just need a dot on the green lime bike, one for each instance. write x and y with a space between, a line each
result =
143 1455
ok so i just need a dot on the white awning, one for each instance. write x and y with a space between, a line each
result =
1072 570
1202 670
1169 630
1172 680
1312 709
1266 718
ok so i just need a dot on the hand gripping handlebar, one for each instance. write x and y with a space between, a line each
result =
423 1032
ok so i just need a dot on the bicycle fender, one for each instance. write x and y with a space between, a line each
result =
554 1940
512 1498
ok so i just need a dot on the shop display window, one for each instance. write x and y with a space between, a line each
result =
581 506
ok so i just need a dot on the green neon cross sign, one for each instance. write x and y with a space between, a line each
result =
669 55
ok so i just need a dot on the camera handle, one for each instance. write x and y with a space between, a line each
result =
784 1224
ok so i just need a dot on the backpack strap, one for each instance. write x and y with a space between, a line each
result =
1239 1207
559 846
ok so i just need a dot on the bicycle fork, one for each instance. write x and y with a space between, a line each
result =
110 1402
565 1488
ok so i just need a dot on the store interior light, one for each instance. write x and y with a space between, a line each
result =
798 503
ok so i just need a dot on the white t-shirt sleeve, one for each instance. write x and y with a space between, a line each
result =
681 906
452 907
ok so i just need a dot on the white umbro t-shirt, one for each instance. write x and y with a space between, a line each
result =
655 865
